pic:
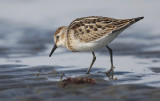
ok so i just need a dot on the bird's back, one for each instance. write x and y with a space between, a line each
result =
91 33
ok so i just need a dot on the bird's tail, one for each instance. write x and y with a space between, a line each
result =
137 19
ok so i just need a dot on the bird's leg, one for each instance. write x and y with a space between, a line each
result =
93 60
110 72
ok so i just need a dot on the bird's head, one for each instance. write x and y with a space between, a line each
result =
59 38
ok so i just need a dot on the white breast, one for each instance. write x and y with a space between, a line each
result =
96 44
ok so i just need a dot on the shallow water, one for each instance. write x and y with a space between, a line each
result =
27 73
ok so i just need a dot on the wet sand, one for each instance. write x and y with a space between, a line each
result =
33 84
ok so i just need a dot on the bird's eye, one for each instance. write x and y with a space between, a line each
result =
57 37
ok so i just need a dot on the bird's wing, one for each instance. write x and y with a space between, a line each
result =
88 29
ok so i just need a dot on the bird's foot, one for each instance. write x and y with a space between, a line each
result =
110 72
87 72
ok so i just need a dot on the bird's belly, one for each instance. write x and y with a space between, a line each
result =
95 45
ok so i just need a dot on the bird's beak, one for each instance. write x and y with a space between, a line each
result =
53 49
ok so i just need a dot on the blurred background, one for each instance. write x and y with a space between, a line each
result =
26 39
28 25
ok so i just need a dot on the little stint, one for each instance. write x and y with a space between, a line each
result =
88 34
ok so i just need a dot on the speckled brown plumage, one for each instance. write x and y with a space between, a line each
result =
87 29
58 30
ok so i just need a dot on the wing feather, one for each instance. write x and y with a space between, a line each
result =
87 29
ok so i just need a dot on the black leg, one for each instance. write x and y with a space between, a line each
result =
111 71
111 56
93 60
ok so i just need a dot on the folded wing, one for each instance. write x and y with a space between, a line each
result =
92 28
